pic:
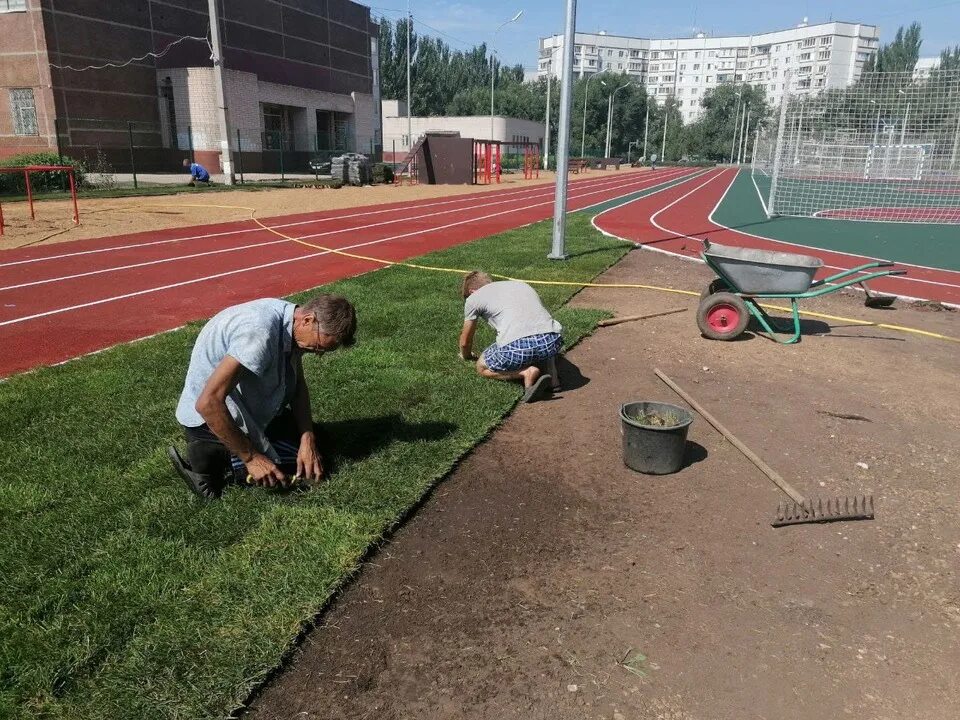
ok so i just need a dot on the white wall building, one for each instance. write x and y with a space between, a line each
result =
925 66
505 129
814 57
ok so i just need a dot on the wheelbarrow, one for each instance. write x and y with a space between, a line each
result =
746 276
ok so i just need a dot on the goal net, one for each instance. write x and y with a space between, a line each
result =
885 148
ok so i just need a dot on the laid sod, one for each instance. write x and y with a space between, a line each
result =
124 597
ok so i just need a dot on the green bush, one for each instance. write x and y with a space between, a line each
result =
13 184
382 173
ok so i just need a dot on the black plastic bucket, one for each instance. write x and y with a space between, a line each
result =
654 449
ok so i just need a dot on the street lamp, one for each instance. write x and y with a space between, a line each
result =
583 132
492 63
613 95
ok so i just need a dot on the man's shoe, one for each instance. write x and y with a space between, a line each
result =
202 485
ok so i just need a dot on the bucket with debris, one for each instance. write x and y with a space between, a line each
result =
654 436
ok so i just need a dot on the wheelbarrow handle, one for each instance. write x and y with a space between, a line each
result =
895 272
884 263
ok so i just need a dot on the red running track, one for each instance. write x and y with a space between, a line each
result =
61 301
679 218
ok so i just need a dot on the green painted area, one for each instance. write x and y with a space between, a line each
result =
917 243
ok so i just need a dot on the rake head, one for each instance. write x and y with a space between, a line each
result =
858 507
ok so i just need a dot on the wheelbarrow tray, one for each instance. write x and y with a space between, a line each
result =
761 272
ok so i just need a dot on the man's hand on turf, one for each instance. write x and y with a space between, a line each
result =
263 471
309 461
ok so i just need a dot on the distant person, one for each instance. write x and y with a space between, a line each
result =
245 406
198 173
653 161
526 333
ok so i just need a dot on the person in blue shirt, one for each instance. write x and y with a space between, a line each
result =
245 407
198 173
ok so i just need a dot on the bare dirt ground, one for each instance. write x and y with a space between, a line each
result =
123 216
543 579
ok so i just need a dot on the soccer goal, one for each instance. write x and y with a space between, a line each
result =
885 148
27 170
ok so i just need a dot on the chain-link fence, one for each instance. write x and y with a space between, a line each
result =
886 148
109 147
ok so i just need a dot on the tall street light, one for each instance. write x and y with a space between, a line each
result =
583 132
493 63
610 100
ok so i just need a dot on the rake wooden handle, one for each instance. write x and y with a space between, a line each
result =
631 318
750 455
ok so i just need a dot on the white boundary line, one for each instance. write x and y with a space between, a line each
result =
241 248
815 248
819 216
534 191
682 179
299 258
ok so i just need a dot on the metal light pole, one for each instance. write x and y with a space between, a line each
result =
546 130
557 251
646 126
663 150
744 136
583 132
226 162
409 99
493 63
736 124
613 96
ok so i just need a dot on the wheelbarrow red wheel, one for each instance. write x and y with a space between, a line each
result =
722 316
715 286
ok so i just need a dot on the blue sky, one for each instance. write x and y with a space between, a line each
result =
474 22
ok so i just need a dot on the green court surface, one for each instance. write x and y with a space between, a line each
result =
933 245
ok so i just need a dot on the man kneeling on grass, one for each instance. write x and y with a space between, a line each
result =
245 406
526 333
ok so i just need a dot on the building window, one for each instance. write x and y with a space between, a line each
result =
655 55
619 66
621 53
13 6
609 52
823 55
24 111
809 42
826 40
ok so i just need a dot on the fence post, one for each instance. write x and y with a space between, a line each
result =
133 160
778 149
240 156
56 136
281 156
190 142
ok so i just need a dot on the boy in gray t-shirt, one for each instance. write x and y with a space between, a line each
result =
526 333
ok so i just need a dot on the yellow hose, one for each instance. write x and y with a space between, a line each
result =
634 286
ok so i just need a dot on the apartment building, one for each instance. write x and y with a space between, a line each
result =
809 58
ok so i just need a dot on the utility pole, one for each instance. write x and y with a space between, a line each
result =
558 251
583 132
546 130
493 54
743 134
663 150
409 99
736 125
226 162
646 126
606 147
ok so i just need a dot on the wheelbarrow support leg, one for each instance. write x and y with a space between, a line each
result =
768 323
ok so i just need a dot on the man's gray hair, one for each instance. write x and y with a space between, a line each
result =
335 315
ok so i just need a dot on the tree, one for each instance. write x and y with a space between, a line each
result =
901 55
712 136
950 59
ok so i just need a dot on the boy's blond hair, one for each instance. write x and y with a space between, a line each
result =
473 281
